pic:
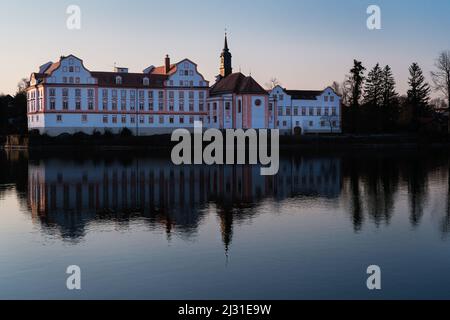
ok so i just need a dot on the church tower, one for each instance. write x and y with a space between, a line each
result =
225 60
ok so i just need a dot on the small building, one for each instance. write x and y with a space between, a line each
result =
307 111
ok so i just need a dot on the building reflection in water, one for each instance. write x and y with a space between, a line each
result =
68 195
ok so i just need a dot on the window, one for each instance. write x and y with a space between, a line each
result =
303 111
227 106
65 92
52 105
65 105
150 94
284 124
181 106
191 106
171 120
215 106
280 111
239 106
311 124
171 95
319 111
123 105
191 95
160 94
114 119
270 106
311 111
146 82
201 95
118 80
322 123
105 119
123 94
150 105
132 119
326 98
124 119
52 92
170 106
114 105
191 120
258 102
91 105
105 105
161 106
90 93
77 92
59 118
181 120
281 97
141 119
288 111
332 98
295 111
200 107
327 111
141 105
141 94
150 119
78 105
77 80
114 93
161 119
84 118
333 111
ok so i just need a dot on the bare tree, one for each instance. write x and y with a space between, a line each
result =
22 85
441 76
273 82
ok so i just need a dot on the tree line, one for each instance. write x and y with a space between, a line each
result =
371 103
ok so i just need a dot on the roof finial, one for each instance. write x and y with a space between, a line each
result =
226 40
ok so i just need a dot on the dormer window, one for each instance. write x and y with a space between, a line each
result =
118 80
146 81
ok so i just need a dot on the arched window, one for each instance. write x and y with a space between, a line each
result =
118 80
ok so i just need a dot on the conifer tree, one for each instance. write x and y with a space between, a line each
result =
418 93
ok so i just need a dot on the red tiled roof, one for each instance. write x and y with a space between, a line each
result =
162 70
237 83
129 80
53 67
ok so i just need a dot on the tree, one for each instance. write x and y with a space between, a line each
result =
373 90
418 93
22 85
356 81
273 82
441 76
390 105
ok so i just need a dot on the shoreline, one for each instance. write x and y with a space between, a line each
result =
288 143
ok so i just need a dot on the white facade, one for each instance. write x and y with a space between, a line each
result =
307 111
66 97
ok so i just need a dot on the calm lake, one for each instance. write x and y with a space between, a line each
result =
142 228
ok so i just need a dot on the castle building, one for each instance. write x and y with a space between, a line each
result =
66 97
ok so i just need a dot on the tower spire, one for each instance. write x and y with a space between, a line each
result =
225 59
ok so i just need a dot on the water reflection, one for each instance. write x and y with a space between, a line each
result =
68 192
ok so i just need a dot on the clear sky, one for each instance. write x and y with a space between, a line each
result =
306 44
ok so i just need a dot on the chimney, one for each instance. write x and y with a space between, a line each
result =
167 64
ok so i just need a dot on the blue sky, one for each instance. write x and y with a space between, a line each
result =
306 44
